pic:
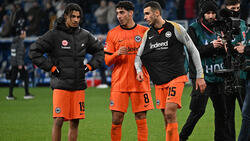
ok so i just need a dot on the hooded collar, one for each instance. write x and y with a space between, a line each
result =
60 25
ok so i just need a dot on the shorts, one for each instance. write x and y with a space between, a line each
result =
170 92
69 104
141 101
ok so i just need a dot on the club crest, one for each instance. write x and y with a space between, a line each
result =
168 34
137 38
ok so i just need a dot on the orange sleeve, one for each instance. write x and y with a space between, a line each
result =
109 49
89 67
110 59
53 69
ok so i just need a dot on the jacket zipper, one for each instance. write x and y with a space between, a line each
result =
75 60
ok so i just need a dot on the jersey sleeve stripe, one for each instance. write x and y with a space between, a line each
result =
108 53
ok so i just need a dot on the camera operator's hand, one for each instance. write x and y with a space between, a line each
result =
217 43
200 83
225 47
240 47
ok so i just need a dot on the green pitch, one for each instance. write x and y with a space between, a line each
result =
31 120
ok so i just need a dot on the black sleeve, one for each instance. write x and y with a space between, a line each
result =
204 50
192 70
39 48
95 48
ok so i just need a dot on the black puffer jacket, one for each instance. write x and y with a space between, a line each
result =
66 49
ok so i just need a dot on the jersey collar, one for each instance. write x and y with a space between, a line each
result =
128 28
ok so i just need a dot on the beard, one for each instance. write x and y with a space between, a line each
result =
152 22
209 22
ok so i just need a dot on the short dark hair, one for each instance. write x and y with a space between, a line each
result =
231 2
154 5
72 7
127 5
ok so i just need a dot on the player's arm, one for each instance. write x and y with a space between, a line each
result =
43 45
182 36
110 58
109 50
111 55
138 63
95 48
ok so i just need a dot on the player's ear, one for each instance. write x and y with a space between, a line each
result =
65 16
131 12
157 12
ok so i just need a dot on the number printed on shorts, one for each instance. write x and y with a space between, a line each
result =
146 99
82 107
172 91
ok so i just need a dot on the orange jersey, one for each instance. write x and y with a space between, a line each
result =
124 73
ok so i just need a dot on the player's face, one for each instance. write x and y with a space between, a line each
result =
123 16
72 19
235 7
149 16
210 16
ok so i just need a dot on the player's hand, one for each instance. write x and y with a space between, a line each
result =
200 83
217 43
240 48
122 51
55 71
86 69
20 67
23 34
140 77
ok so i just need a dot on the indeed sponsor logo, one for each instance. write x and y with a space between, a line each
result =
159 45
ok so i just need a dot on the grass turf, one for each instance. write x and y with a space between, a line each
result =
29 120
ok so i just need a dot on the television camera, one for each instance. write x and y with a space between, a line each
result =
228 27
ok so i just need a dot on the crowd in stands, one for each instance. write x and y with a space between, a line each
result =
99 16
